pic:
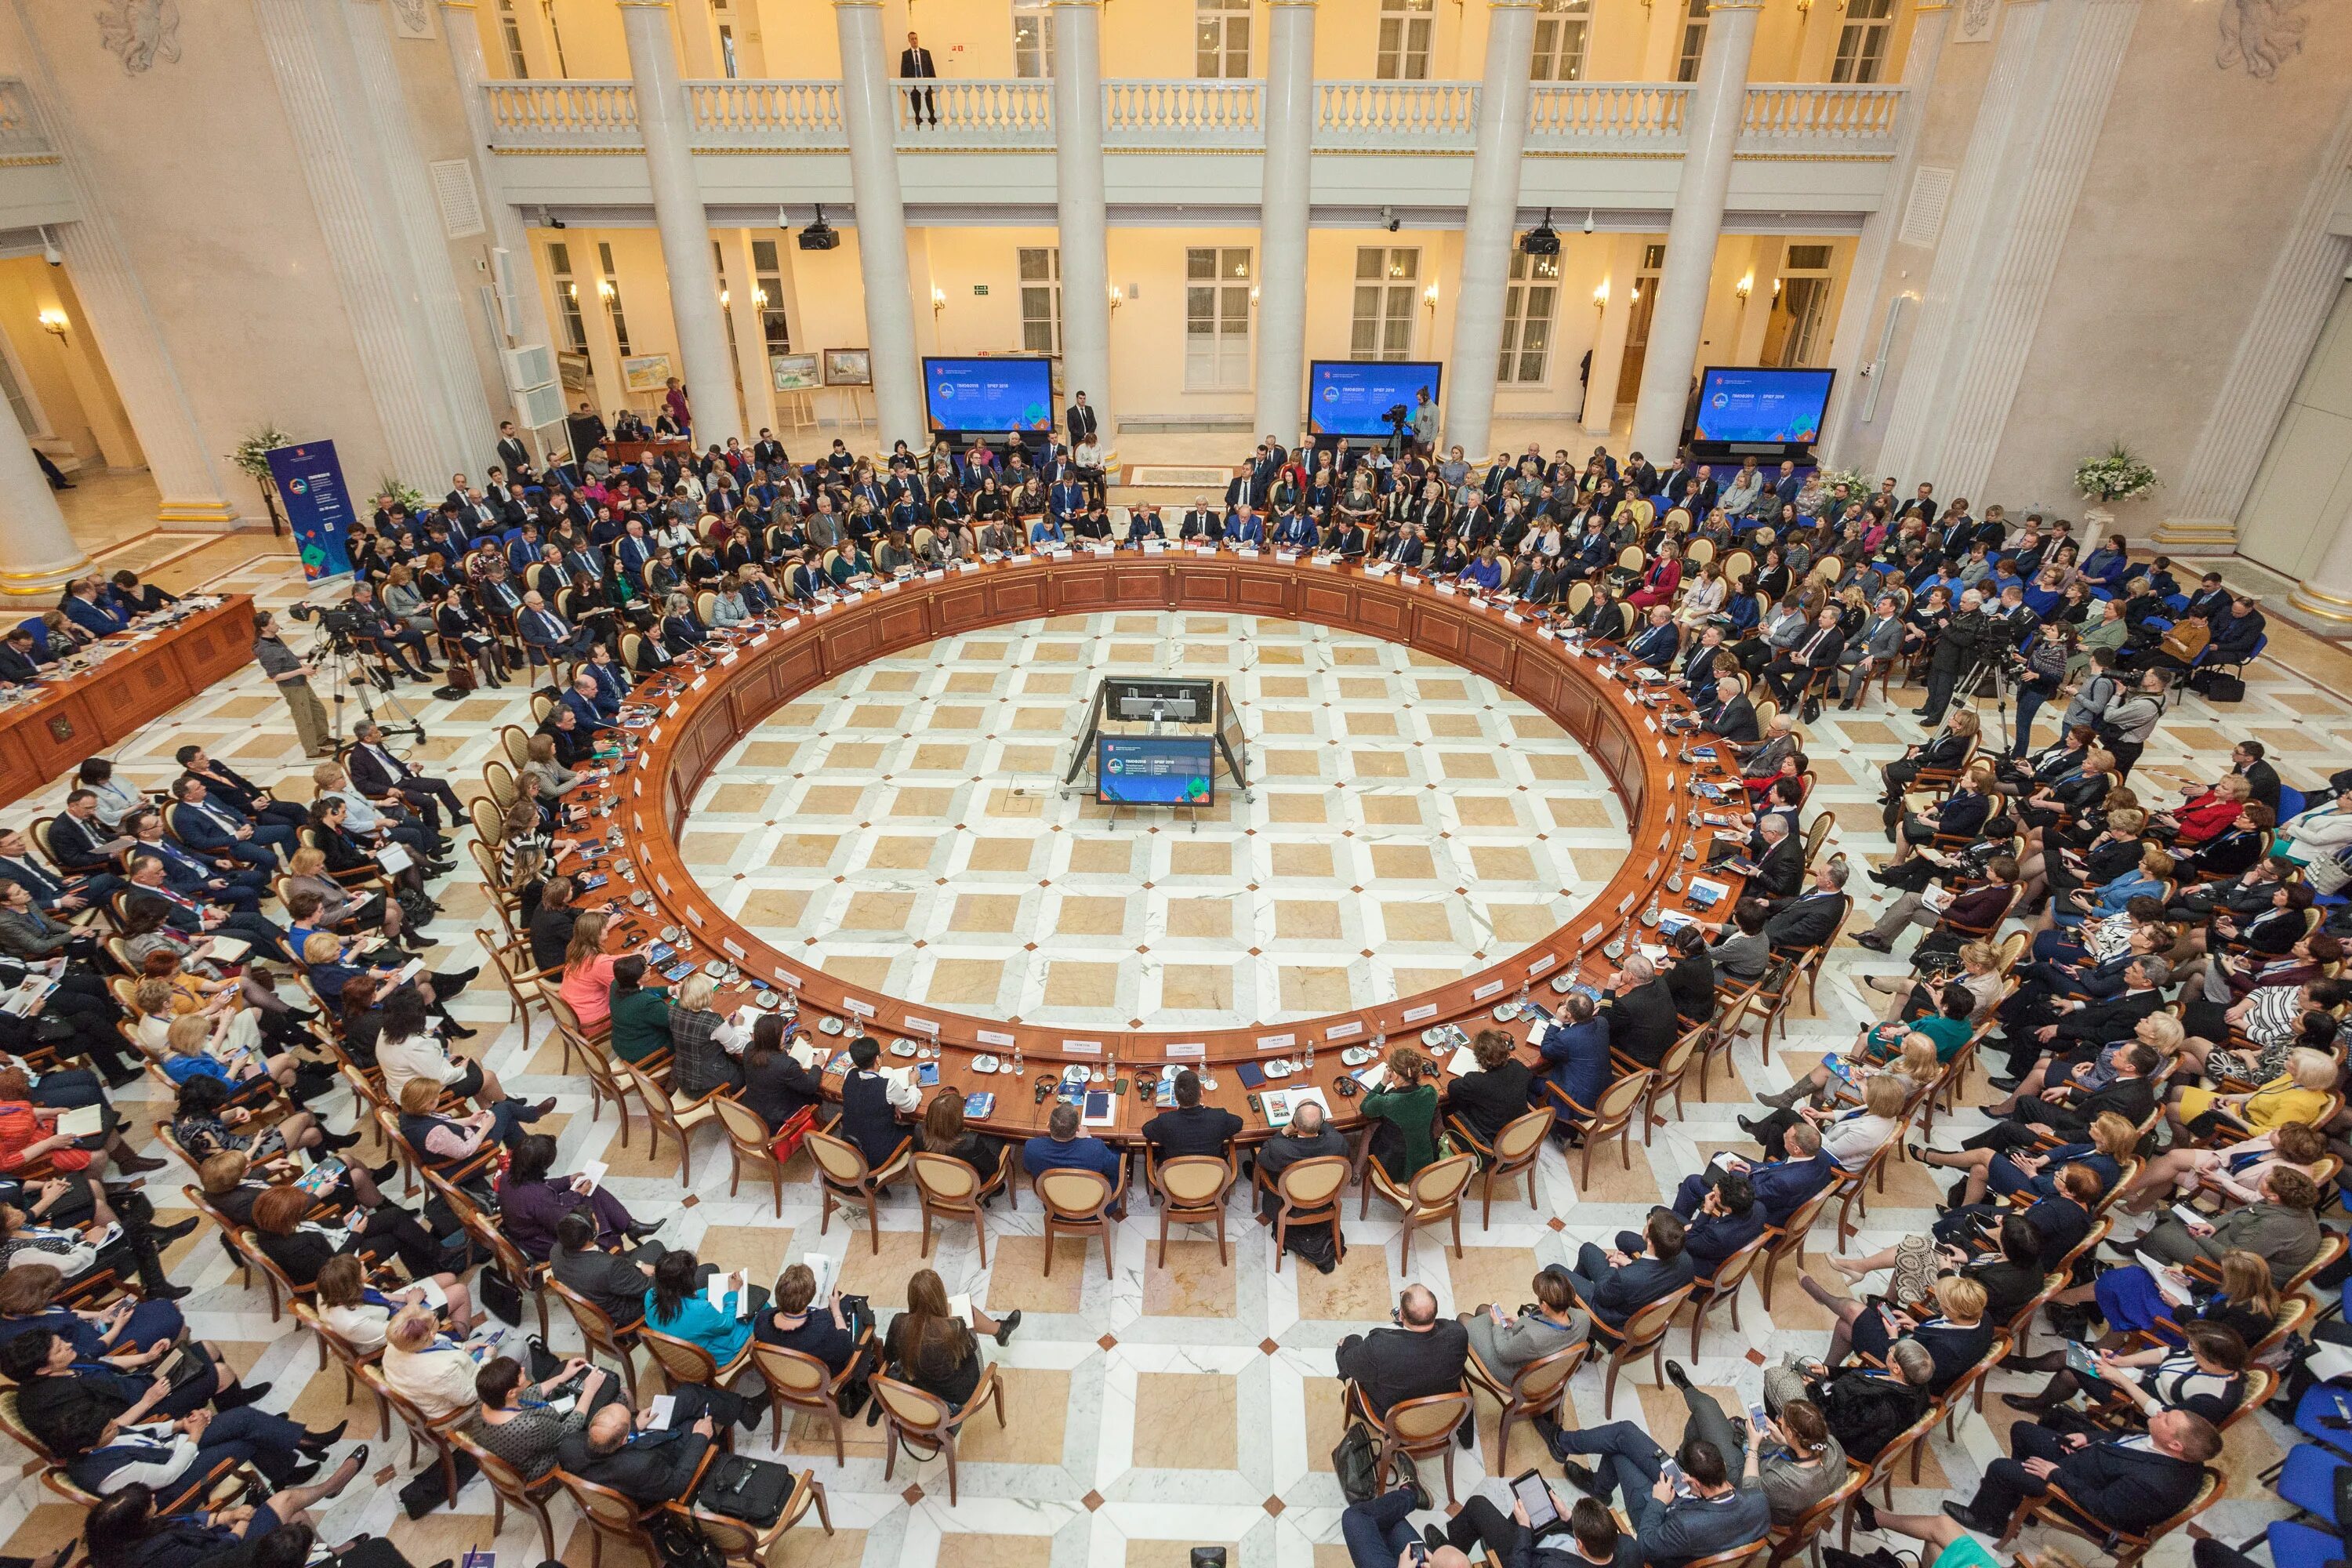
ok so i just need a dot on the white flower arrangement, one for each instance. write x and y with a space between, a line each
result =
2118 475
252 454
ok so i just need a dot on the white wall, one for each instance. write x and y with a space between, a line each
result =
2308 473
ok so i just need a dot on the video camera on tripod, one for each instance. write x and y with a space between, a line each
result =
338 626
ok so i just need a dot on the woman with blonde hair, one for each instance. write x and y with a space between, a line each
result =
434 1374
587 983
1703 598
2301 1094
2236 1170
306 872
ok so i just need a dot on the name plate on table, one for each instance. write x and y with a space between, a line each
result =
734 950
1544 632
1288 557
1540 964
967 566
920 1026
1341 1031
1447 589
1188 1051
727 658
1415 1015
699 682
823 608
671 709
1514 617
1276 1042
863 1009
1480 993
1083 1047
1204 550
936 574
785 978
694 915
1409 580
761 641
1591 936
1025 560
994 1037
662 882
1155 547
1249 551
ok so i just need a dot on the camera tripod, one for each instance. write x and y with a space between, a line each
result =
338 663
1988 677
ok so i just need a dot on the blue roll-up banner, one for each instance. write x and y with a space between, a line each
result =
317 506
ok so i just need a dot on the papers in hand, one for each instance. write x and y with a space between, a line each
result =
81 1121
663 1407
2161 1274
393 856
1936 898
1373 1077
825 1269
21 1002
2190 1216
592 1173
806 1055
227 949
1464 1061
959 1307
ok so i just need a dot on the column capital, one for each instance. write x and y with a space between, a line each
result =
857 5
1075 5
1926 5
643 4
1715 5
1291 5
456 5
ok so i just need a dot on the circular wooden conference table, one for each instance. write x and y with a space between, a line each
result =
686 719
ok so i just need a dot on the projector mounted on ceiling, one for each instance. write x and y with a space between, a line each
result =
818 235
1540 241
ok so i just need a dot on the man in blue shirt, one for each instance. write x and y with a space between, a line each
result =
1063 1149
1242 528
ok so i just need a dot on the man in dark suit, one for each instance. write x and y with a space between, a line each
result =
1814 916
1727 1219
1192 1128
1702 661
1079 419
1780 1186
1656 643
2211 599
1979 907
542 628
378 773
648 1468
217 828
2246 761
915 65
1423 1356
17 664
513 456
78 841
1641 1013
52 894
1787 488
2124 1483
1617 1283
1731 717
1781 865
1812 658
85 609
1202 523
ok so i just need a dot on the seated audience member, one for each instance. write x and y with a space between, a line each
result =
2120 1483
1505 1343
837 1331
1712 1509
872 1102
609 1277
1866 1407
1062 1147
1781 1187
931 1348
1309 1136
1192 1128
1496 1093
515 1421
531 1201
1424 1354
1616 1282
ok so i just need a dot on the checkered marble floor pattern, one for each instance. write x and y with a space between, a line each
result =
1155 1408
905 826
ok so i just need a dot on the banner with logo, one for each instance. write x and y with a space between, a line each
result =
317 506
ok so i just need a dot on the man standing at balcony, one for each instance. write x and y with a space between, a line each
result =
915 65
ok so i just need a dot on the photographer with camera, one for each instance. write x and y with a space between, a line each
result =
292 675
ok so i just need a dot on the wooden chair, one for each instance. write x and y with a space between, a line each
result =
1731 1009
684 1362
515 741
2054 1509
1413 1428
600 1335
1191 1189
949 1189
528 1278
1802 1534
350 1357
1513 1152
433 1435
507 1486
742 1545
1613 1117
1671 1068
843 1176
1749 1556
923 1420
748 1139
273 1278
800 1382
526 988
668 1111
1310 1193
1971 1381
1645 1333
1789 1240
1540 1388
1078 1203
1724 1286
611 1517
1434 1194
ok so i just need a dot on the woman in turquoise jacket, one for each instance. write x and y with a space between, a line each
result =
676 1307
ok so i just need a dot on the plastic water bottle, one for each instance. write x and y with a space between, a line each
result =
1016 1054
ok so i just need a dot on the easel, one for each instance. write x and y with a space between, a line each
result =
797 409
856 397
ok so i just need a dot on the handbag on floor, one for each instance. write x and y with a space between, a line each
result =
753 1490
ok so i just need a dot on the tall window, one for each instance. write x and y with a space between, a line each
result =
610 287
1406 26
554 36
1862 42
1527 308
567 298
1388 287
727 50
1562 29
1041 300
1217 319
1220 38
1693 41
726 305
1033 39
770 296
1801 298
510 34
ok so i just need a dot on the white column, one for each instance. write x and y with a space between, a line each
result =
1079 207
463 405
1852 343
1284 198
750 337
2201 510
2326 594
1609 337
37 552
1488 224
121 322
530 323
666 121
871 113
1717 103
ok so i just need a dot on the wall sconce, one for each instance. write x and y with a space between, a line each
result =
1636 295
1252 293
605 287
1746 286
1600 295
939 300
1429 296
53 322
725 299
760 297
1776 288
1116 302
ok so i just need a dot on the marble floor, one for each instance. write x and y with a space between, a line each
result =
1150 1408
905 826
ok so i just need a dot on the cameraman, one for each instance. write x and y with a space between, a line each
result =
292 676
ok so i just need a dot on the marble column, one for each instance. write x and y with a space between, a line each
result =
1718 101
666 119
37 552
2326 594
2202 508
528 323
120 320
1080 209
871 115
1284 198
1852 340
1489 223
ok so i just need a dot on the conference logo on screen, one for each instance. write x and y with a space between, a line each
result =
1331 393
944 390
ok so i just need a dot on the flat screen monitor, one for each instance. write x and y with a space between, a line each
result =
1155 770
1182 700
989 396
1759 406
1351 397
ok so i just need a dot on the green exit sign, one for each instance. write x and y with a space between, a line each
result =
980 290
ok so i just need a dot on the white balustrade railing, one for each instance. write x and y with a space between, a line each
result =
1636 116
1004 111
1395 116
1183 112
20 132
1817 117
563 113
783 114
1207 115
